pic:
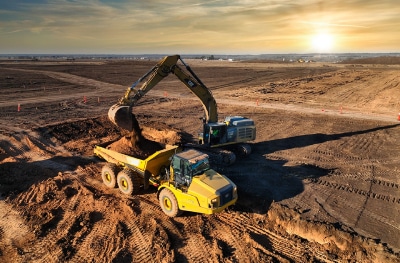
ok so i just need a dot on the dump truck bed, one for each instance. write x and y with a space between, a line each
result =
151 164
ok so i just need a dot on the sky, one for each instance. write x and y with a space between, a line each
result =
198 27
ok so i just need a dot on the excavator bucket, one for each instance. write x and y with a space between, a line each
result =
121 116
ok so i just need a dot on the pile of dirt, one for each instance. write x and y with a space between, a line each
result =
335 239
142 145
141 151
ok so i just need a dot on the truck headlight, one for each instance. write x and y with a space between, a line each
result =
214 202
234 192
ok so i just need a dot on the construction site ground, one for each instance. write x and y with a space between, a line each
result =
321 185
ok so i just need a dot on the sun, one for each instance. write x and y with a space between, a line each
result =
322 42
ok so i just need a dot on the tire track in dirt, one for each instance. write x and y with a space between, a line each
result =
190 245
183 233
351 189
108 243
324 155
284 248
386 183
139 241
82 232
49 247
13 231
243 247
355 204
195 244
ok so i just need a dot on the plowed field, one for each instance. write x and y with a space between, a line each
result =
321 185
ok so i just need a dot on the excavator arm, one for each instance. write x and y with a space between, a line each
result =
194 84
121 113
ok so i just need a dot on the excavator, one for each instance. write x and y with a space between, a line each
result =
219 139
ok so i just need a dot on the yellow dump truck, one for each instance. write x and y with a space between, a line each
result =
184 179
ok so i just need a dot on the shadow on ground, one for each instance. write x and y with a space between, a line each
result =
261 180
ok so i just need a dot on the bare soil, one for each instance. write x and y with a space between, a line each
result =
322 183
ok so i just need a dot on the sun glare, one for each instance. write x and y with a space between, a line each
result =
322 42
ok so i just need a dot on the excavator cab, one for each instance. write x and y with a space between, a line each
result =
214 133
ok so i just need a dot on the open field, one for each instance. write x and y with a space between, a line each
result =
322 183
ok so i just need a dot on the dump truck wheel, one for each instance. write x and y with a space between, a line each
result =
168 203
128 182
108 174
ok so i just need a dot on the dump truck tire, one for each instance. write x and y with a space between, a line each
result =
108 175
128 182
168 203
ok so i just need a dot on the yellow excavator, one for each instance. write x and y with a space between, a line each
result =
219 139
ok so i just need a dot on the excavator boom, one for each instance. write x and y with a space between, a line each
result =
121 113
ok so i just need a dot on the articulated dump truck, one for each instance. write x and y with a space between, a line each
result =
184 179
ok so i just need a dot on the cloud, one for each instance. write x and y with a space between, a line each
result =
331 24
259 26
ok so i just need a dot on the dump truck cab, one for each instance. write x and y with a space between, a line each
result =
187 164
195 186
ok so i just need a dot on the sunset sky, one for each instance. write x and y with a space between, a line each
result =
198 27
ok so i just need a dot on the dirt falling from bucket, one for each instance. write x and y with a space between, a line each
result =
135 144
135 135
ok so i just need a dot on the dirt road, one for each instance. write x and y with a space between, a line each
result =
322 183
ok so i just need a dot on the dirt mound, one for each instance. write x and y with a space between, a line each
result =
65 216
125 146
332 237
162 134
142 143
